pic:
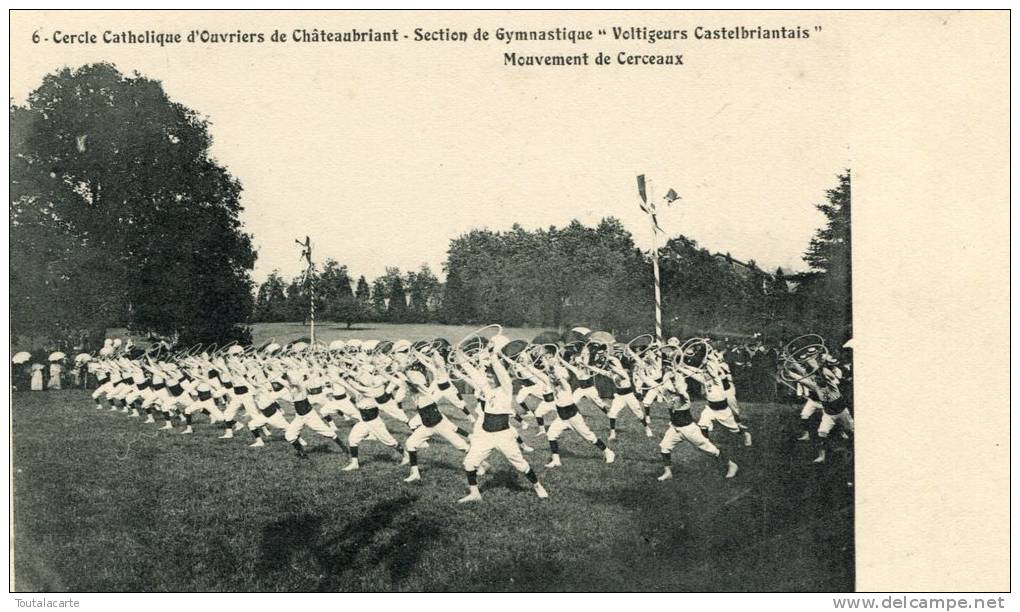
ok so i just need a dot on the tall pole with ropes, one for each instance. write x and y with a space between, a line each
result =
306 254
649 208
658 282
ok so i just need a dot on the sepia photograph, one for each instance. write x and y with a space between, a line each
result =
327 301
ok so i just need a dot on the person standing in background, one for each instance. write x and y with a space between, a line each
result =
56 369
37 376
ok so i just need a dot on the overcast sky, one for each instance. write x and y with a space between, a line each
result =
382 154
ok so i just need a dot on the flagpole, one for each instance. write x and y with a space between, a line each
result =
658 291
306 252
311 294
655 268
311 303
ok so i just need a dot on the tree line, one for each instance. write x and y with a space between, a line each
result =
559 277
120 217
409 297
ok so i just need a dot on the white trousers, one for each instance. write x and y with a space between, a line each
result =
209 405
157 398
723 417
626 401
236 403
652 394
392 409
587 392
544 408
829 421
340 406
101 390
810 406
529 391
692 434
312 420
450 394
120 391
575 423
371 430
484 442
258 420
444 429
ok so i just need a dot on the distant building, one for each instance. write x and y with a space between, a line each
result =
790 278
747 270
743 270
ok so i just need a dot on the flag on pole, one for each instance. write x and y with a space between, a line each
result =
647 206
641 190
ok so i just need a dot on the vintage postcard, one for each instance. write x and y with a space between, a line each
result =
530 301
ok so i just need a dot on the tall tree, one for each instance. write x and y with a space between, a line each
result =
120 215
271 300
339 301
826 288
423 294
332 286
298 299
380 299
396 304
363 293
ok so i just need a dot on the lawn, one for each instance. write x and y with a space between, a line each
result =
326 332
105 503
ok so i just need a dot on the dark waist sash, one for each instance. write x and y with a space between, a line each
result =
622 391
382 399
340 396
157 386
718 405
302 406
566 412
443 386
314 391
548 397
430 415
585 383
679 418
227 384
176 390
143 385
269 410
240 390
369 414
493 423
204 395
834 408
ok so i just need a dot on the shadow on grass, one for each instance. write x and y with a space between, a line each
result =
390 537
503 478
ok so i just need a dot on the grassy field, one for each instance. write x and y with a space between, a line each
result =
105 503
327 332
